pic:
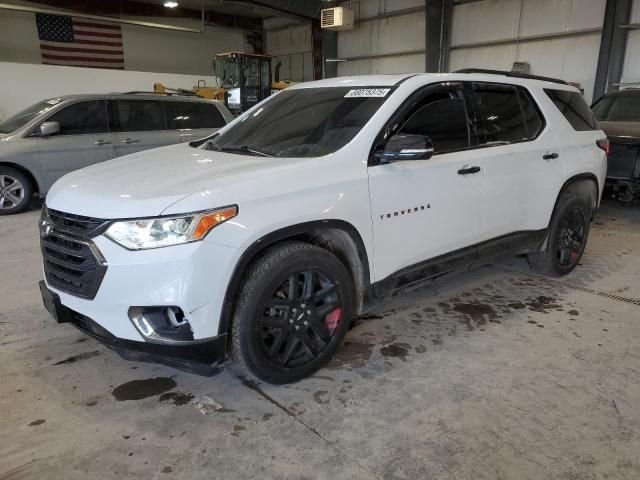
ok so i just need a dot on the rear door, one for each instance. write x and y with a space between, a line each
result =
84 139
523 171
194 119
140 124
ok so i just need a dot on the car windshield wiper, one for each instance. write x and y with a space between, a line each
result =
241 149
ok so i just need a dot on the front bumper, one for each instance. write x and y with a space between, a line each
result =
202 357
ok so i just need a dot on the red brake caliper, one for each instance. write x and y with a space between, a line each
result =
332 320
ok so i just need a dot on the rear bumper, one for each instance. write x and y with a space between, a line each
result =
202 357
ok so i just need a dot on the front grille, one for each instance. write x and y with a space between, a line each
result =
72 262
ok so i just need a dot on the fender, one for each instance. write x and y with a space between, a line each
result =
287 233
576 178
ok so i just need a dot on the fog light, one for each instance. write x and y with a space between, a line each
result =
161 324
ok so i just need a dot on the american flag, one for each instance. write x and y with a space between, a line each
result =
79 42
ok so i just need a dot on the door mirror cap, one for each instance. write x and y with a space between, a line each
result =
49 128
405 147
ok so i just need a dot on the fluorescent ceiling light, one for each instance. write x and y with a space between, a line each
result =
170 4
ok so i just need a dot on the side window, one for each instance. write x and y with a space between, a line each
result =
532 116
82 117
139 115
501 118
191 115
442 116
574 109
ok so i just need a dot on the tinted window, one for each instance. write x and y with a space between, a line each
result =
532 116
20 119
305 122
623 107
574 109
444 120
82 117
139 115
194 115
501 118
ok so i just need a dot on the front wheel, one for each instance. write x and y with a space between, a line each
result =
568 232
293 313
15 191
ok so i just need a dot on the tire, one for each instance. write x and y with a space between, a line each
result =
567 237
16 191
269 337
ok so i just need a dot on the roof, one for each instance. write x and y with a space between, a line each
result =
129 95
395 79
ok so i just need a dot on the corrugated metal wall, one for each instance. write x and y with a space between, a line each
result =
631 71
291 45
383 45
517 22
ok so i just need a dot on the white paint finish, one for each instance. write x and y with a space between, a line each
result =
31 83
274 193
631 71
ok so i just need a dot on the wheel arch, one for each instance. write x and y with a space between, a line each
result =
574 182
25 171
337 236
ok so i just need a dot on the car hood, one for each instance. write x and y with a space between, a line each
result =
621 129
147 183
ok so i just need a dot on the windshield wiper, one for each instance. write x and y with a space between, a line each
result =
242 149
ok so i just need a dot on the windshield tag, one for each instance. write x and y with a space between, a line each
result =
368 92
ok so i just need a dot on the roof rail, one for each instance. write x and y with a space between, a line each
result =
169 94
511 74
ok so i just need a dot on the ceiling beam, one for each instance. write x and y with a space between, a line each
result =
307 9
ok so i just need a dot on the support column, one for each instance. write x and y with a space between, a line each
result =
438 14
613 47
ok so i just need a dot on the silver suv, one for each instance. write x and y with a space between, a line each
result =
56 136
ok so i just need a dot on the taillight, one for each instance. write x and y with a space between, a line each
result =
603 143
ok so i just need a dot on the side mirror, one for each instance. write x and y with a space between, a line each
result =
49 128
405 147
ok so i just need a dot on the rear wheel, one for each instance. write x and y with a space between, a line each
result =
15 191
293 312
567 238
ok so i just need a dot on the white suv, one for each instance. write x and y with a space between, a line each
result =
270 236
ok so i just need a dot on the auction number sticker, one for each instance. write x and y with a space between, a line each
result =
368 92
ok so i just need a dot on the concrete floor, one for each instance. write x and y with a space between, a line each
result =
494 374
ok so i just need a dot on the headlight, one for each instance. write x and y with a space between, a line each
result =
165 231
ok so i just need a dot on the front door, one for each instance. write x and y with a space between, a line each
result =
84 139
140 124
422 209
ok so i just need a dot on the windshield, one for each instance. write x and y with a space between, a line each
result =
618 108
20 119
309 122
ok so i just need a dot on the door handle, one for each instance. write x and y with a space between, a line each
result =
467 169
102 141
130 140
550 156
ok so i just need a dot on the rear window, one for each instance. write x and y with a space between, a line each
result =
192 115
574 109
508 114
623 107
140 115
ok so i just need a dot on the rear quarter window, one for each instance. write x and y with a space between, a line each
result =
574 109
